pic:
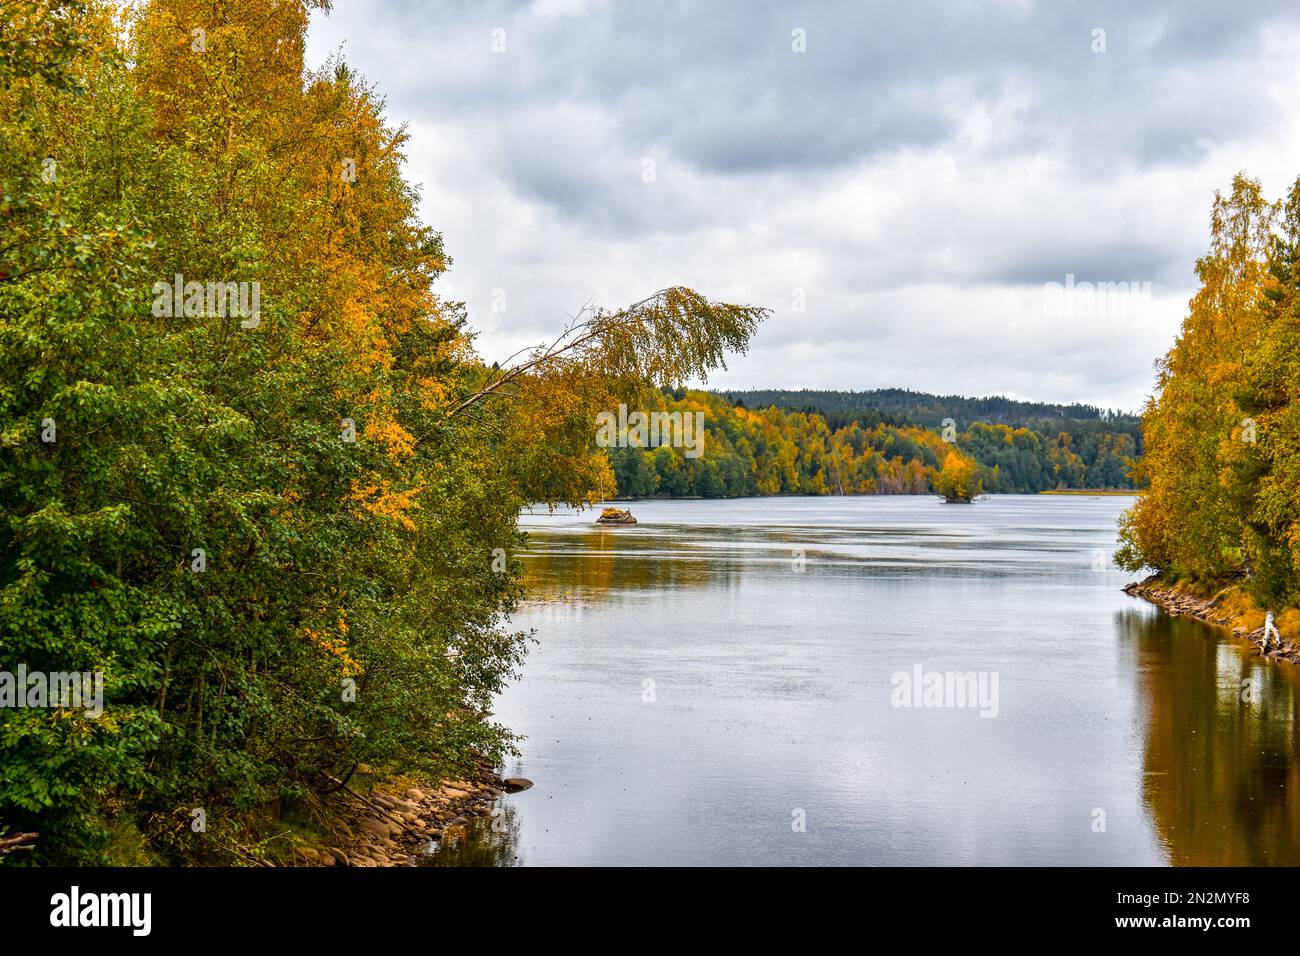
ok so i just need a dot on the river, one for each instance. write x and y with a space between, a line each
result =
729 683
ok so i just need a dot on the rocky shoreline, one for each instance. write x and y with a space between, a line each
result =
1208 610
394 829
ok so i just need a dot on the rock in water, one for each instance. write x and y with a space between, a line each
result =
615 516
515 784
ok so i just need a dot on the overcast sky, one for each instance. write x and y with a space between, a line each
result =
900 193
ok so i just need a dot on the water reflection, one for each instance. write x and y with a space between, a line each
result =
694 683
1221 747
594 566
484 841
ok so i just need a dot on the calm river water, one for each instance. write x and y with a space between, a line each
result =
722 684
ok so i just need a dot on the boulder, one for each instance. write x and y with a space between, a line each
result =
615 516
515 784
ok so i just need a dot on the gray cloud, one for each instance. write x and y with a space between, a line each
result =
918 173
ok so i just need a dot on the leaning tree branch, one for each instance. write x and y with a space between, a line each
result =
591 329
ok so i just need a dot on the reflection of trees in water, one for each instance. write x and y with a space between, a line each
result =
1221 756
591 565
484 841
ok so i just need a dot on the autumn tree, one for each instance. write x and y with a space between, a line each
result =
287 537
958 481
1201 462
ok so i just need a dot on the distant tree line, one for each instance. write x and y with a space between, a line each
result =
900 406
751 449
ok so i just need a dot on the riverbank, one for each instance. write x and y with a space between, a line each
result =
1228 608
392 826
1090 491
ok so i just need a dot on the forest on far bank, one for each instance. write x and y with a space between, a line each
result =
855 449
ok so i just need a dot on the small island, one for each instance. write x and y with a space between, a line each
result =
958 481
615 516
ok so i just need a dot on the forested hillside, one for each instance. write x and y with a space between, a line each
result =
929 411
751 450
